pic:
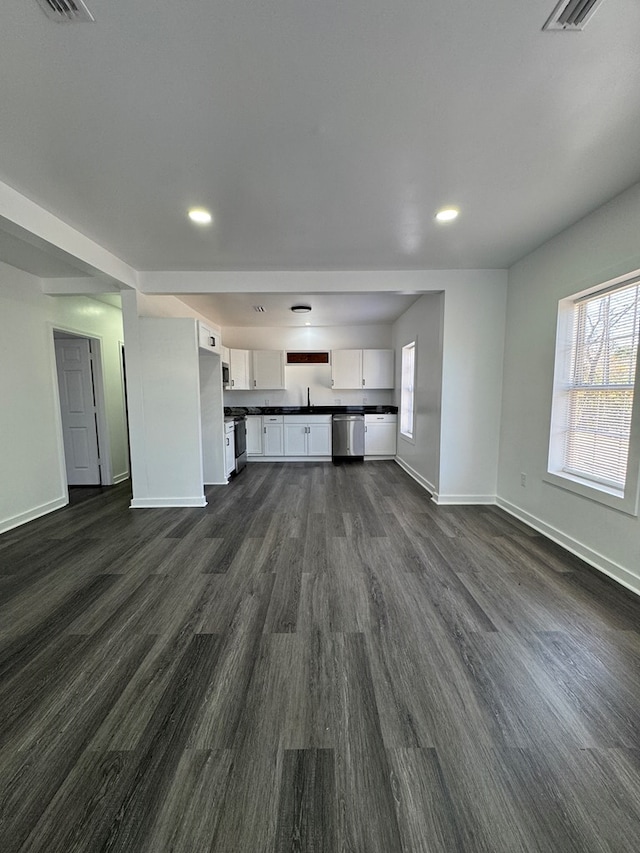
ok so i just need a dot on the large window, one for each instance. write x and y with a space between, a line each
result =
592 423
407 395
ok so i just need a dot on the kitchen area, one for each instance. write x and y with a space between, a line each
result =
304 405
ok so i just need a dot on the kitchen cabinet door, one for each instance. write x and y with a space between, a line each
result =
268 369
346 368
377 368
380 435
209 338
295 439
239 369
229 452
254 435
273 440
319 439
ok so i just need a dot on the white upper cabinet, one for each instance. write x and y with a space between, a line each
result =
346 368
209 337
268 369
377 368
356 368
239 370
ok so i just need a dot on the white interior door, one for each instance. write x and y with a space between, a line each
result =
78 409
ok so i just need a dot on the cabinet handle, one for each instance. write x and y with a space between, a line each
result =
265 430
213 341
363 383
255 382
227 442
366 428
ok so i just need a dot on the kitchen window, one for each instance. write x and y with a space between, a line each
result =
594 447
407 395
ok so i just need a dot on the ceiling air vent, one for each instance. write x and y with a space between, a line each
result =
65 11
259 309
572 15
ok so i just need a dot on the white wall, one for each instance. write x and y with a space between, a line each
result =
32 477
422 323
600 247
315 377
460 336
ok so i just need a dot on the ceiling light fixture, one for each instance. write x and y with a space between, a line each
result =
200 216
300 309
447 214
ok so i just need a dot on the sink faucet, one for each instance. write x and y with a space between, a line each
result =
308 398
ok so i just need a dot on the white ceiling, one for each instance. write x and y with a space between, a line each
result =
335 309
322 134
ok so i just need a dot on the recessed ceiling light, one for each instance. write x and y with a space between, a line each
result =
300 309
307 324
200 215
447 214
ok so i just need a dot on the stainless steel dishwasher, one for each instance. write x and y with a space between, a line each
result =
347 436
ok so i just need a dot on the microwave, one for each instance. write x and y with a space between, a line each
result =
225 375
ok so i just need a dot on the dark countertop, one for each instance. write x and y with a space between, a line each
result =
310 410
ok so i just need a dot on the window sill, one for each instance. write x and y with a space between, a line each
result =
408 438
595 492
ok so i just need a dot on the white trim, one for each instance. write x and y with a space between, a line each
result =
120 478
379 458
464 500
593 558
32 514
594 492
218 483
160 503
416 476
289 459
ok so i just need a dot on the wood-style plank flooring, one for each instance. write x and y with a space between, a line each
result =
320 660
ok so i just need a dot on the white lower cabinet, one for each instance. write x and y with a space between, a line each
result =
272 435
229 448
254 435
307 435
380 435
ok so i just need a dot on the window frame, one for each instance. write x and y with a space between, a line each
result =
413 346
625 500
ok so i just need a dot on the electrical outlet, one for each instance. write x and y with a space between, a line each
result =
266 402
337 401
523 480
364 400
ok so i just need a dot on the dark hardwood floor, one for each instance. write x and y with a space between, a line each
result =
320 660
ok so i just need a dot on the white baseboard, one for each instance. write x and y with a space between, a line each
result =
464 500
120 478
445 500
32 514
416 476
159 503
593 558
288 459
